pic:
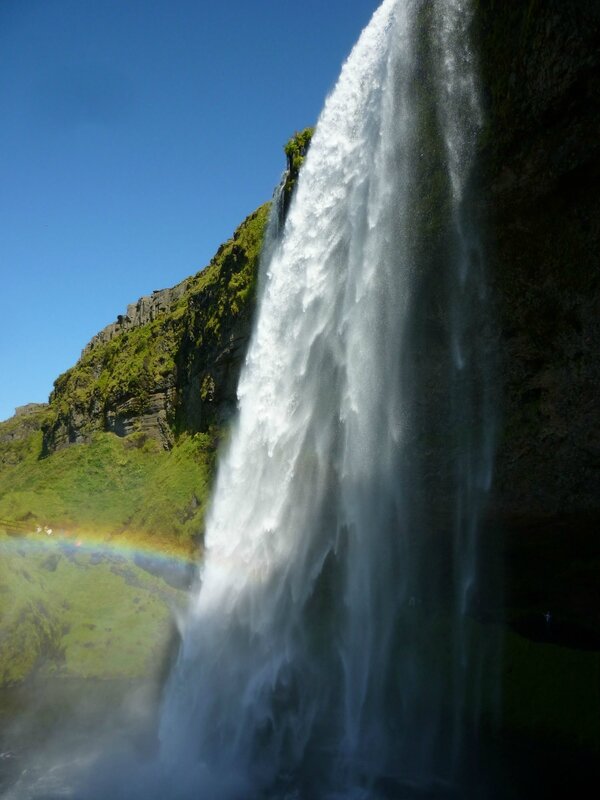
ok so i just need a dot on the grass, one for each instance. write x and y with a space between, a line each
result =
116 487
523 689
21 438
551 692
78 614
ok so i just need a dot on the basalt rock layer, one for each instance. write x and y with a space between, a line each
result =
171 363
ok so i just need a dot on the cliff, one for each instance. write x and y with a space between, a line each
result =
541 165
146 310
171 363
540 213
21 434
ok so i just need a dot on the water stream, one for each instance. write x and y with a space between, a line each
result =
328 650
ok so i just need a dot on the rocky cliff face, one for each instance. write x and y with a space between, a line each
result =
146 310
540 171
541 157
171 363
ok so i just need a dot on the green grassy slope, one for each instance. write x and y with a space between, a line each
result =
21 438
114 486
71 613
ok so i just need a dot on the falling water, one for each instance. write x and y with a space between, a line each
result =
327 652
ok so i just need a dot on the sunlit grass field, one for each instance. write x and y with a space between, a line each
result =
71 610
114 486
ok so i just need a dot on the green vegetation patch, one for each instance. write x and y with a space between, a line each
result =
133 364
295 151
21 438
80 614
227 286
524 690
297 148
113 485
551 692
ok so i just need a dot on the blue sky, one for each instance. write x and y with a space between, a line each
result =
135 136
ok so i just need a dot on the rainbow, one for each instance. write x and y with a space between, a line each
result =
136 549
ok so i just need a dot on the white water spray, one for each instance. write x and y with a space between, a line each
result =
326 650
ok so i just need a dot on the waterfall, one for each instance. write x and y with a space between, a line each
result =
327 651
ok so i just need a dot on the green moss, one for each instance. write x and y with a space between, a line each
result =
131 365
295 151
297 148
